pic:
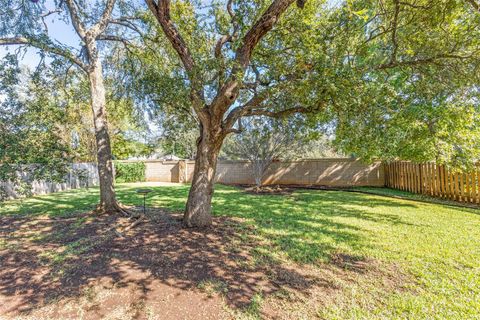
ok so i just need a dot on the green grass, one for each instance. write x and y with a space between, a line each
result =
437 245
412 196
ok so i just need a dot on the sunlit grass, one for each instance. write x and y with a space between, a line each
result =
439 246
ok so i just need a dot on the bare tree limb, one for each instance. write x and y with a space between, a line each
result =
162 13
219 56
76 21
46 14
229 37
47 47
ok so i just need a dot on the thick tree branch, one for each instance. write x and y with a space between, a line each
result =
240 111
393 58
229 91
229 37
46 47
102 24
226 39
219 56
474 4
258 30
76 21
161 11
233 130
218 47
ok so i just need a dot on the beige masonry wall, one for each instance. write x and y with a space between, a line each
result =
326 172
162 171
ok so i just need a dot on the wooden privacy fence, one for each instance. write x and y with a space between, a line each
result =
434 180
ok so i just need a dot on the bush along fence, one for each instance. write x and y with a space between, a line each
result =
129 171
434 180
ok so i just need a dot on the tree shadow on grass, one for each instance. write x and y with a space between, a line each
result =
158 259
45 259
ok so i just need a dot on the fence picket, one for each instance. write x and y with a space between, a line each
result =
425 178
473 187
441 183
456 187
388 175
401 176
445 176
397 175
412 173
478 183
467 186
449 184
417 180
415 177
432 179
409 180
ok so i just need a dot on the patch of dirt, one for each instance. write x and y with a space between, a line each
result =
286 189
82 267
268 190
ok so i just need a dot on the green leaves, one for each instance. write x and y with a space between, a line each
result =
30 141
129 171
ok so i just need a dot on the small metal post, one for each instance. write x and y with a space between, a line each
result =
144 196
144 192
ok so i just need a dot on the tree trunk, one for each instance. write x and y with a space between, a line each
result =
259 168
199 204
104 153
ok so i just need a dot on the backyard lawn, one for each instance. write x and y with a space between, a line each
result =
300 255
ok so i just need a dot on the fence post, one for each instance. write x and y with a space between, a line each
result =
182 171
477 167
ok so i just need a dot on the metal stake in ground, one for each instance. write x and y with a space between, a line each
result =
144 192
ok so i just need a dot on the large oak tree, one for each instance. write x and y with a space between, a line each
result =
354 65
25 23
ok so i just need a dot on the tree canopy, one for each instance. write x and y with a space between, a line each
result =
30 140
392 80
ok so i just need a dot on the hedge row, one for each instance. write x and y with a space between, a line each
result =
129 171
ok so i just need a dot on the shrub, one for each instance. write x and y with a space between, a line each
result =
129 171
